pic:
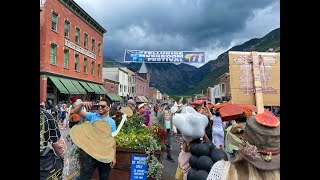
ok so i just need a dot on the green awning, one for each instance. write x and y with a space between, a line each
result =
59 85
103 89
79 87
68 84
85 85
95 87
119 97
112 97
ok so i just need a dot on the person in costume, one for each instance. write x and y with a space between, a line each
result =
254 152
93 137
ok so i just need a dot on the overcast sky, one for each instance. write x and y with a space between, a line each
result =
212 26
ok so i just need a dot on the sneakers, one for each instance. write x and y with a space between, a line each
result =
68 137
170 159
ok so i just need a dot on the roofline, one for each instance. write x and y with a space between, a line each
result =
91 22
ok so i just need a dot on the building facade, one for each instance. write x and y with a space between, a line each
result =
225 91
71 52
142 81
118 74
111 86
152 94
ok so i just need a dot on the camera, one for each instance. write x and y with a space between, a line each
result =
95 107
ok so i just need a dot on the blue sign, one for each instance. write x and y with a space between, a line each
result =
138 167
164 56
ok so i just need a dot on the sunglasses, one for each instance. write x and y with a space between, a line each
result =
102 106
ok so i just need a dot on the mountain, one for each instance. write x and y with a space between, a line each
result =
208 74
109 62
184 79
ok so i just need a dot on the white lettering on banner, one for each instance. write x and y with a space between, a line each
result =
79 49
166 59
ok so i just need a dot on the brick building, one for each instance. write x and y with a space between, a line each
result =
153 94
142 83
71 52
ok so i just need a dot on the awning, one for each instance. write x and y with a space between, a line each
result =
85 85
119 97
144 98
112 97
68 84
96 88
140 99
59 85
78 86
103 89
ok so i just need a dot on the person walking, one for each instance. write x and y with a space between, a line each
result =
218 130
89 156
165 122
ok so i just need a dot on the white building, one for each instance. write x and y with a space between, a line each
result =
118 74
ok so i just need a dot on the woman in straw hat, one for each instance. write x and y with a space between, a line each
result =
95 140
254 152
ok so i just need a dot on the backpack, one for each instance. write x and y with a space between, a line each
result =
50 164
74 117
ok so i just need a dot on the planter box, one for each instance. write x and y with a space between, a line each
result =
121 171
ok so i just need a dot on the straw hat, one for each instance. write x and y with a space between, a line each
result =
141 105
95 139
258 144
130 101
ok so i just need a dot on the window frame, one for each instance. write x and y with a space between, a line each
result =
85 65
92 68
76 62
66 59
54 47
77 40
93 45
66 22
54 14
85 40
99 70
99 49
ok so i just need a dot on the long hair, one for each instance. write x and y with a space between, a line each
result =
243 170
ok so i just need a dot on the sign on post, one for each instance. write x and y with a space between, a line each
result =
255 76
138 167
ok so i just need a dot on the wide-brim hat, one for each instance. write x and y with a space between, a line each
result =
141 105
262 140
95 139
130 101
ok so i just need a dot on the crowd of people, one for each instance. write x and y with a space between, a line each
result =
224 135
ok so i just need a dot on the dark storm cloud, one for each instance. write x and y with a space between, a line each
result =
208 25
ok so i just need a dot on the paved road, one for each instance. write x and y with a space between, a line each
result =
169 170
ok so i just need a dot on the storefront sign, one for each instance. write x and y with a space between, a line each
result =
138 167
79 49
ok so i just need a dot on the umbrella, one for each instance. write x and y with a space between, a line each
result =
230 112
201 101
253 108
218 106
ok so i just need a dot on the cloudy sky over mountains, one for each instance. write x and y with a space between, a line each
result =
212 26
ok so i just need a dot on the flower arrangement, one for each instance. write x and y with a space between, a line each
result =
135 135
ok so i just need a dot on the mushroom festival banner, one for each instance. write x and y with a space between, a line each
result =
164 56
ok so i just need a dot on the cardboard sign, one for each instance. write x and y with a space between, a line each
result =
243 80
138 167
